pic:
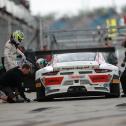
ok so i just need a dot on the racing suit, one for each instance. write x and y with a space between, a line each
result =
10 55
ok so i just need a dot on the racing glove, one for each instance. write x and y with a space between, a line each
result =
22 54
24 57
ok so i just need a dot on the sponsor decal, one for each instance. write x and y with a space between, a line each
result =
76 76
77 67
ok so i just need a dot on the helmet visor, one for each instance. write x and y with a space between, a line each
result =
19 39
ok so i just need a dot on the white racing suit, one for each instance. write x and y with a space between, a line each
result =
10 55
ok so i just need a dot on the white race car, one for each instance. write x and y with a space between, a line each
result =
78 74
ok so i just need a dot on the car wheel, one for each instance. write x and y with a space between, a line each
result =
40 94
114 91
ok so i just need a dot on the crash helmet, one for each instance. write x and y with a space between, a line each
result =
17 36
41 62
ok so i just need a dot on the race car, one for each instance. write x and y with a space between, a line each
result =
78 74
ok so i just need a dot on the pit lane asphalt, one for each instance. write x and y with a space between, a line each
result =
77 112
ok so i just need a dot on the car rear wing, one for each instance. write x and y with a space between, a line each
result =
32 56
52 52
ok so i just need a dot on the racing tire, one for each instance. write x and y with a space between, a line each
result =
40 94
114 91
123 81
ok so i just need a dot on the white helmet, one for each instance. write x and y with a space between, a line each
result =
41 62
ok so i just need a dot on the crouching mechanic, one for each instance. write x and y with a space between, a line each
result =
13 79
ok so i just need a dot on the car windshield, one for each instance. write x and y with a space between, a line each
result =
70 57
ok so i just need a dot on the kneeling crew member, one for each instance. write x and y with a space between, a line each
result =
13 79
